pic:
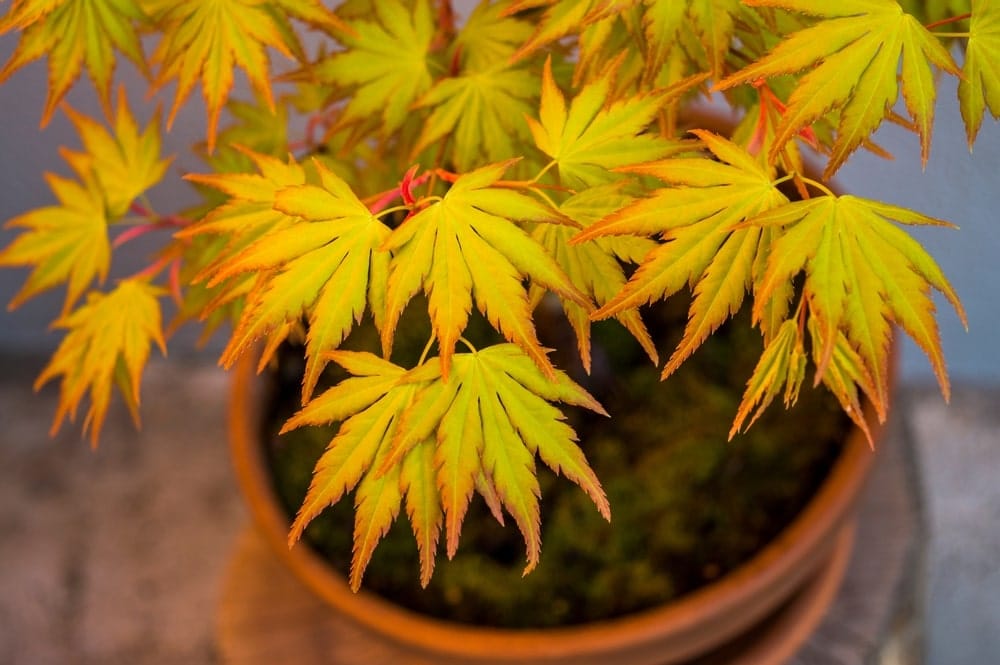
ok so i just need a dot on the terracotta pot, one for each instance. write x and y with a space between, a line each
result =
809 558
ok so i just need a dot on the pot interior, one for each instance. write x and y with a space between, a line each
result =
688 506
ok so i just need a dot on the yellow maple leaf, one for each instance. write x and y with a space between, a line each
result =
73 34
853 59
108 341
468 245
595 267
667 22
64 243
311 249
482 113
862 273
695 217
385 66
436 440
124 162
979 88
206 39
590 137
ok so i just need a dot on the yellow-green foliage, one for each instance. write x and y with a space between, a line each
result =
481 163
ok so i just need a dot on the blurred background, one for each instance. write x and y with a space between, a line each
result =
959 446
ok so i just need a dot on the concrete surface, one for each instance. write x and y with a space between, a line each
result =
959 446
116 556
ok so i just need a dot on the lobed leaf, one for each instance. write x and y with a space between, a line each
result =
376 507
436 441
714 23
594 267
315 252
592 137
423 504
561 18
853 58
489 36
701 248
385 66
74 34
366 430
482 114
845 373
108 340
124 162
458 460
782 367
459 250
861 273
979 87
67 243
206 40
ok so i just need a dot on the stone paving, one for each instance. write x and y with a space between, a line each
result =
959 446
116 556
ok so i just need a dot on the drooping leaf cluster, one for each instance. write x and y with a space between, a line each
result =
455 174
108 337
415 434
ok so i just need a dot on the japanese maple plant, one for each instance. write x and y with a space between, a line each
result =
472 167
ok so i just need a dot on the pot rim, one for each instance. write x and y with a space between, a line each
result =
740 598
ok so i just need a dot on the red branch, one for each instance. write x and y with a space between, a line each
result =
946 21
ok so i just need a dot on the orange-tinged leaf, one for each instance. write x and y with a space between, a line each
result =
436 441
860 268
423 504
486 489
422 422
74 34
315 14
482 113
108 340
560 19
591 137
560 388
594 267
542 428
253 195
719 294
667 22
782 367
511 465
460 249
124 162
845 373
385 66
853 59
511 423
701 249
773 313
663 23
206 40
376 507
368 384
458 454
919 91
979 87
366 430
67 243
318 258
